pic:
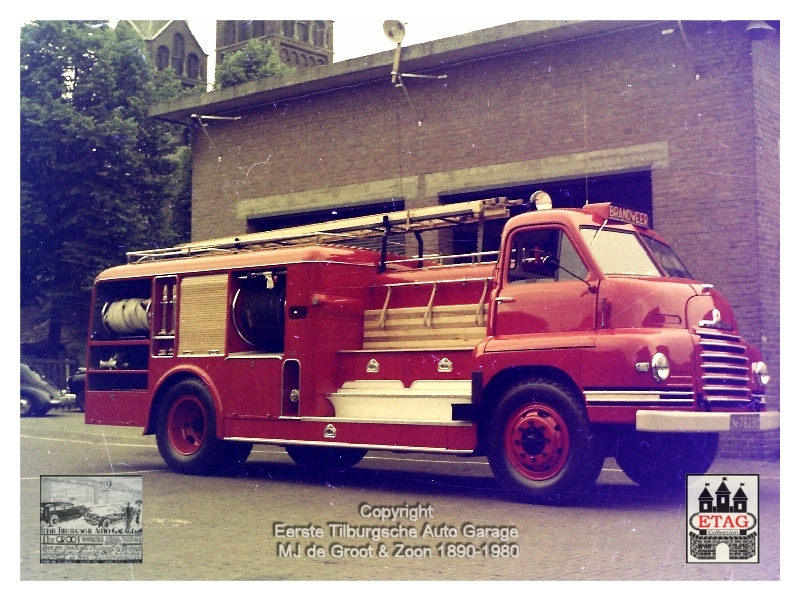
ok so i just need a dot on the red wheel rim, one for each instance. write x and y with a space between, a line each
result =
537 441
186 425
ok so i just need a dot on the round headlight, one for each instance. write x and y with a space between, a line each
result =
761 373
659 367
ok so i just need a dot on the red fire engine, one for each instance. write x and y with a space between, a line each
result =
585 338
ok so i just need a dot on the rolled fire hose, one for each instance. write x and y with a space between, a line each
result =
127 317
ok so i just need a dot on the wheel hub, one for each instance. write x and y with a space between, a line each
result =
537 441
186 425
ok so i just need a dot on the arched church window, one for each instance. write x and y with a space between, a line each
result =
162 58
178 50
193 66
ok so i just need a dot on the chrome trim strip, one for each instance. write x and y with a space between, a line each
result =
386 421
260 355
638 397
713 333
400 350
726 367
722 356
282 442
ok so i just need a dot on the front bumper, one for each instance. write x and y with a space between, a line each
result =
678 421
65 400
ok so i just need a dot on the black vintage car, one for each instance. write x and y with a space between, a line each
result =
54 513
37 395
76 384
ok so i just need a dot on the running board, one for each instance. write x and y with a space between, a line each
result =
425 401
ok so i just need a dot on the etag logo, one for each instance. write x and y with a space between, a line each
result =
722 518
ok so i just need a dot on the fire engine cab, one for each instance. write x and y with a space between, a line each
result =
583 337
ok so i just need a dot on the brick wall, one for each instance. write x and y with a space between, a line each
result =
713 105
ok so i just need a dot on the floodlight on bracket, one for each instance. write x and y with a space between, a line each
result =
201 118
396 31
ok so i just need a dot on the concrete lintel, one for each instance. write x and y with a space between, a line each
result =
356 194
598 162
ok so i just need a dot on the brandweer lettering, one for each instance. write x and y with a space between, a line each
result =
628 215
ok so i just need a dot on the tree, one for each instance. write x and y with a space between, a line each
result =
97 175
256 60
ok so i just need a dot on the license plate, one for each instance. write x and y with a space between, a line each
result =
745 422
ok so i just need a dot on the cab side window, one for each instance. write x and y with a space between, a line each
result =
537 254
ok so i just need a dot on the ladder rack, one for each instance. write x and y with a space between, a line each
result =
404 221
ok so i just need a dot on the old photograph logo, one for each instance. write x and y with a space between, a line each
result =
722 518
87 519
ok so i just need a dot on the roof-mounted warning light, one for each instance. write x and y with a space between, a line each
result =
541 200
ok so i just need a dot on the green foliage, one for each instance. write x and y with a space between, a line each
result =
256 60
98 177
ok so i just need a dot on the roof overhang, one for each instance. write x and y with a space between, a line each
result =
421 58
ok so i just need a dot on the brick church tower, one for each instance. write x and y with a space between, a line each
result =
300 44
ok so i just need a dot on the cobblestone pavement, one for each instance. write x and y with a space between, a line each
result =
224 528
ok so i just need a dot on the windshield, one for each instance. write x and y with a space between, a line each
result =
666 257
619 252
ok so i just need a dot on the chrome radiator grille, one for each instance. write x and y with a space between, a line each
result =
725 369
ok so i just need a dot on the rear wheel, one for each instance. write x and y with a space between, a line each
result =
540 443
662 460
187 433
315 458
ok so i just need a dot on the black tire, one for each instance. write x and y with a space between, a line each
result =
53 520
187 433
28 406
318 459
80 401
662 460
540 444
106 523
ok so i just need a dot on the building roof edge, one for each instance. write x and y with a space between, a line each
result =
429 56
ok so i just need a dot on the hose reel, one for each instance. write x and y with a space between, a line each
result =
127 317
258 311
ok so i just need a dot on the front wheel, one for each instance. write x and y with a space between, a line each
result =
28 407
187 433
662 460
53 520
540 442
315 458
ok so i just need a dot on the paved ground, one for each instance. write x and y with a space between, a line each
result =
223 528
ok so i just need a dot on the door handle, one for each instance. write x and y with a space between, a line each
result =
501 299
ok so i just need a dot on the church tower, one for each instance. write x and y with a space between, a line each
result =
300 44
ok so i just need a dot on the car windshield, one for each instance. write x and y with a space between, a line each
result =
619 252
667 258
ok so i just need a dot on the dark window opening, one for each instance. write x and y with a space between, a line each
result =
178 50
319 34
396 241
193 66
302 31
631 190
162 58
245 30
229 33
